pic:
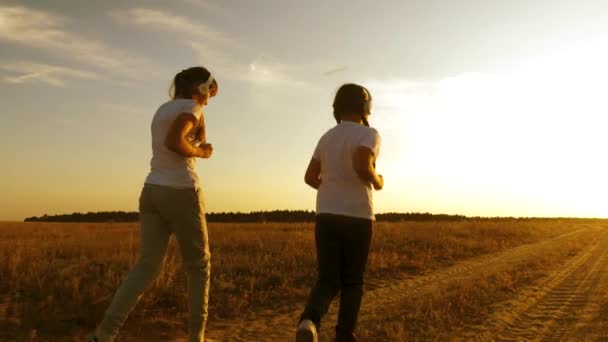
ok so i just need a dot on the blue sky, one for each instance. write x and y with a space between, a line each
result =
485 108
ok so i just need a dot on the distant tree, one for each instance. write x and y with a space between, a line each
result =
267 216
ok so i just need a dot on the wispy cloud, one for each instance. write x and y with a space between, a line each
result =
213 7
216 49
265 70
165 21
335 70
32 72
48 31
204 4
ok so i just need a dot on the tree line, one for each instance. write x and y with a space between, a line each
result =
285 216
254 216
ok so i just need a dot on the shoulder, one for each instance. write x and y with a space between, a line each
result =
178 106
368 130
369 137
331 131
372 131
364 131
329 134
189 106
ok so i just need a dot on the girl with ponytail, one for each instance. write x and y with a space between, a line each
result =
171 202
342 170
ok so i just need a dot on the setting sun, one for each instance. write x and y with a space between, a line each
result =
525 140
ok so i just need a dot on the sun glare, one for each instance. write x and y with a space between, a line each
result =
533 133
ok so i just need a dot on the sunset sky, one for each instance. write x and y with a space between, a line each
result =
484 107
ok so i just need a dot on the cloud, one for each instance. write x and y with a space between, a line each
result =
214 8
335 70
164 21
32 72
214 48
266 70
225 56
204 4
261 71
47 31
530 130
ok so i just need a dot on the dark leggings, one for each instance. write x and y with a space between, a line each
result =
343 245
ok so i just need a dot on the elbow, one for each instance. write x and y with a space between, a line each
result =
312 181
308 180
312 176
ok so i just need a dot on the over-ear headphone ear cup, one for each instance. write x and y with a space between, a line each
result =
203 88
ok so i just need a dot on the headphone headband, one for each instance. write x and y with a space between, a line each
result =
203 88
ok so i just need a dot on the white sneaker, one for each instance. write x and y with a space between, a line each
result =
306 332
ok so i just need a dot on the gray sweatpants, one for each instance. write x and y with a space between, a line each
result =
165 211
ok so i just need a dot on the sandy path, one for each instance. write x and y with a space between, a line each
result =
565 306
573 285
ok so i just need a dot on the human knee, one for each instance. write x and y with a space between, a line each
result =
200 264
353 280
332 282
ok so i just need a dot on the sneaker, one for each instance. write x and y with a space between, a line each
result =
93 339
306 332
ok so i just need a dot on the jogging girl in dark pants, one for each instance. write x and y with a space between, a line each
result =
342 169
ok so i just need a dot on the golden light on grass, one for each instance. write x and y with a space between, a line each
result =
57 279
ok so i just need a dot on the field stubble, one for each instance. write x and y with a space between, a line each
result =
57 279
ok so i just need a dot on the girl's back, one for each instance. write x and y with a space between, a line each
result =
342 192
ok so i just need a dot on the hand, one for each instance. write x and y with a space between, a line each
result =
379 184
207 150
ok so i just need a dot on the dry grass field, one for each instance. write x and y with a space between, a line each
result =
471 280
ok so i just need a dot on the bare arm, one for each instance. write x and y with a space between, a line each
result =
313 173
200 133
364 164
176 138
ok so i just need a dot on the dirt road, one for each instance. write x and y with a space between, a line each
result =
565 305
569 303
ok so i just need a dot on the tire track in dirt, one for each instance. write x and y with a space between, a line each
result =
387 299
561 307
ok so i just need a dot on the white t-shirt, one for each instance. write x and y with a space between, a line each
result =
167 167
342 192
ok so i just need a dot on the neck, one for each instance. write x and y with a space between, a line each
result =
356 118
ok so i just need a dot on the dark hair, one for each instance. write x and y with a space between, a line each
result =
185 80
351 98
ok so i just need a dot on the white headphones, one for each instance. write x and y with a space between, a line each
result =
204 87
